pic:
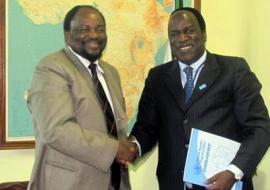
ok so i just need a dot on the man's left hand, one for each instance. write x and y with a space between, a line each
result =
221 181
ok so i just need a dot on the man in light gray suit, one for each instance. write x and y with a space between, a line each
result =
74 147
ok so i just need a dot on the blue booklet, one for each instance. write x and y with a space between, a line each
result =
207 155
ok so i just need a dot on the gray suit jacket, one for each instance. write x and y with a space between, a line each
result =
73 148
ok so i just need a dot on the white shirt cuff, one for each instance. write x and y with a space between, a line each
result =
133 139
237 172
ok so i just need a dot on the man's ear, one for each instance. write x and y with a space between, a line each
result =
67 37
204 36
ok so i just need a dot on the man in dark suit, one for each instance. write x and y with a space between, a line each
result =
79 130
223 98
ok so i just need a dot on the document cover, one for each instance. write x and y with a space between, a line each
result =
207 155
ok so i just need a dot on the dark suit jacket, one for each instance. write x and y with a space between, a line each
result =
226 101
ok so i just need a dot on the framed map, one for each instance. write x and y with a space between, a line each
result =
32 29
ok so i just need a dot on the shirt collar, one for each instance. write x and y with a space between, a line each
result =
196 64
86 62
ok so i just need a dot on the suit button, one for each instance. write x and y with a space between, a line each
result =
186 145
185 121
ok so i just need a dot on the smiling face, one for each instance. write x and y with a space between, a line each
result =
187 41
87 35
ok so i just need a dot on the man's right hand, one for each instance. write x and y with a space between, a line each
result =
127 152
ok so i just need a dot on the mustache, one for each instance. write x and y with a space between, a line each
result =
91 40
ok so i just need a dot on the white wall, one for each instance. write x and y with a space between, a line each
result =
16 165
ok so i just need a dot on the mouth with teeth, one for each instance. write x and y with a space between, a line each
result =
185 48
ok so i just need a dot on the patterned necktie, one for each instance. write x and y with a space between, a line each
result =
189 84
115 168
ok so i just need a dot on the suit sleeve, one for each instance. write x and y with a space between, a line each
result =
252 115
145 129
51 104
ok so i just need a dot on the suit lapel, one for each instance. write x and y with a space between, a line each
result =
109 78
173 82
84 72
206 78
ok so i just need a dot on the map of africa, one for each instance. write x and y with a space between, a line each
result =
137 41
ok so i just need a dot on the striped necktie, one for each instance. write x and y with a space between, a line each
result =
103 101
110 121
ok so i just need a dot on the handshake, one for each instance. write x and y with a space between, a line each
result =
127 152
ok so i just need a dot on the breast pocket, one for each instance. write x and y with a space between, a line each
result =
219 97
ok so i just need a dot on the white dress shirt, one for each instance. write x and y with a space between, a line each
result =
197 67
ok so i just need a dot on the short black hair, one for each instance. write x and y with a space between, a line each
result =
72 12
196 13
